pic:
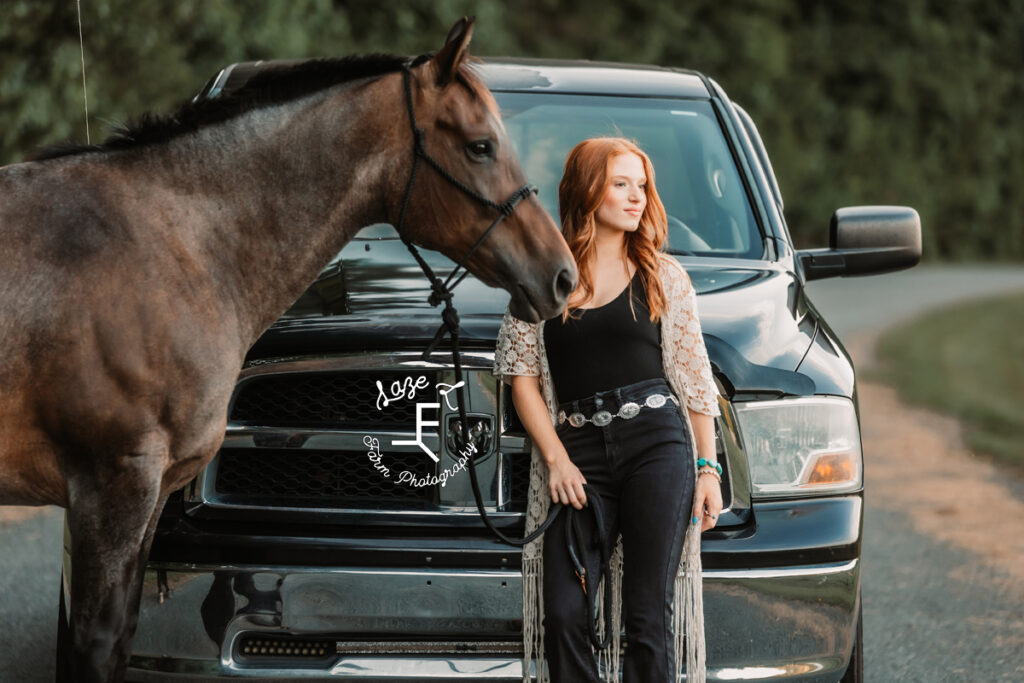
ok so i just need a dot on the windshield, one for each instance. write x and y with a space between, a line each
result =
708 210
709 214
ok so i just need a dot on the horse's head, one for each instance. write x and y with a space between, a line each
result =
525 254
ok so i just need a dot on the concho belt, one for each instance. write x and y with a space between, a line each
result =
627 411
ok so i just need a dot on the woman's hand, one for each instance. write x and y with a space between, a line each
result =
565 482
707 501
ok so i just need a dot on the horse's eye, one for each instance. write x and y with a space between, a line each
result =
481 149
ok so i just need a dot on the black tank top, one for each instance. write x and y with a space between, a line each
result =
605 348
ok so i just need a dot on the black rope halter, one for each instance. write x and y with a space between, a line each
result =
442 291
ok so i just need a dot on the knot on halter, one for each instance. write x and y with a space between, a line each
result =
438 293
522 193
451 319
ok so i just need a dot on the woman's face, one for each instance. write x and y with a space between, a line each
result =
625 195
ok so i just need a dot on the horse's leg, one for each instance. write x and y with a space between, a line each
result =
114 507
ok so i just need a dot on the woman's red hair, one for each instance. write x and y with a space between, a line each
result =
581 192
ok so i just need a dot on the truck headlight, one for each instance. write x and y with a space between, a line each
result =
801 445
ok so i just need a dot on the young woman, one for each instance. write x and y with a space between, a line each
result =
634 411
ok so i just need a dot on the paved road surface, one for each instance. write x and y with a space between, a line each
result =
867 304
933 612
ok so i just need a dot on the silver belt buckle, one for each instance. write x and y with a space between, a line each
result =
655 401
627 411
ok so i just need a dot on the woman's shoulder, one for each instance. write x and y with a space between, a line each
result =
673 274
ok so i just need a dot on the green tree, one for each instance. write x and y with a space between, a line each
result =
911 102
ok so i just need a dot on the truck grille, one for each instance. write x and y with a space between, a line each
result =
320 478
345 400
295 447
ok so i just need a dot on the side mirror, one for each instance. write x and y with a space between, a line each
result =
864 240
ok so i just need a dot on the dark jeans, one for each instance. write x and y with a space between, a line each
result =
642 468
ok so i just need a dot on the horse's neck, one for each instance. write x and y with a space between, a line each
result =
278 192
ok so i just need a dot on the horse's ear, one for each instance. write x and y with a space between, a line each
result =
456 47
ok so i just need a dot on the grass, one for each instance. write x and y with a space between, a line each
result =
966 361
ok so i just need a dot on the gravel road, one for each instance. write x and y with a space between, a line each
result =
943 585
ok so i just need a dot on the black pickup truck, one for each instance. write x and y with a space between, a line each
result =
315 547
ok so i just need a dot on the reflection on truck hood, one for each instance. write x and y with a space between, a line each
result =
374 297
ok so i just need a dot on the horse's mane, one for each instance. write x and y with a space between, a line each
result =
267 87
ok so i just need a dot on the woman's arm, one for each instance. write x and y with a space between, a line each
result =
565 481
704 433
707 495
517 362
690 361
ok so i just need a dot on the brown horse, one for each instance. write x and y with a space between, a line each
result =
135 275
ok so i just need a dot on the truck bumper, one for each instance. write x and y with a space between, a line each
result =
211 623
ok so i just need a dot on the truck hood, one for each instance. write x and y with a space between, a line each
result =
373 297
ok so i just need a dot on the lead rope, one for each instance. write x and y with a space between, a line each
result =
442 291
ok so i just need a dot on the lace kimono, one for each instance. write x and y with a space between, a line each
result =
520 351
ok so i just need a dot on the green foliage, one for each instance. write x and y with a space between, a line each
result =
966 360
912 102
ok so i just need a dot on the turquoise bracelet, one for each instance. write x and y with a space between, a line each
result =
701 462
